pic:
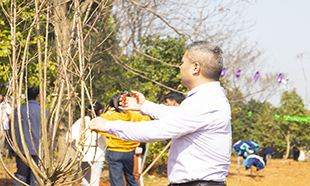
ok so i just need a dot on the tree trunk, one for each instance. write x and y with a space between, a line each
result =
287 145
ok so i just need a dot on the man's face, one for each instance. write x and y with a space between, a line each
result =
185 70
171 102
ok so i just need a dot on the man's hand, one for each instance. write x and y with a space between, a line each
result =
98 124
133 103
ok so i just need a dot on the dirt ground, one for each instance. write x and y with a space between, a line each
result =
278 172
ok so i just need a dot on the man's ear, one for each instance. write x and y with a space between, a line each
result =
196 68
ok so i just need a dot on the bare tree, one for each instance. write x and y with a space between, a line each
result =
65 21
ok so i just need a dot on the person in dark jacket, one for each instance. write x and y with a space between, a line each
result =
296 153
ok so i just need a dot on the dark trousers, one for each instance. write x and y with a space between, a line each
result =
24 173
199 183
119 163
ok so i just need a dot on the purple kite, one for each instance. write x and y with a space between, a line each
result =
238 74
223 72
280 78
256 76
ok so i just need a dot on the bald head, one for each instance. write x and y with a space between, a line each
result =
209 56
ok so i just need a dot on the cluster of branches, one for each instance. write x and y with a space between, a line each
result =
52 36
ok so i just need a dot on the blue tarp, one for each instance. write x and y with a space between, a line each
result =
245 148
254 160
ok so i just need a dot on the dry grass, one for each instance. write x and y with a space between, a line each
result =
279 173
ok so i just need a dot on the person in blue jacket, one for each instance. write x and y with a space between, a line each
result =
31 121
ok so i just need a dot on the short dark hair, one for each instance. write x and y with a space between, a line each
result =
97 107
172 95
209 56
114 102
32 93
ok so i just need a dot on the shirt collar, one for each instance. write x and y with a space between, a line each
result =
203 86
32 102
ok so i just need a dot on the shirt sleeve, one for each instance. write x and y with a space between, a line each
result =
157 111
170 124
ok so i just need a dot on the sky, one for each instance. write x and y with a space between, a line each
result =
282 30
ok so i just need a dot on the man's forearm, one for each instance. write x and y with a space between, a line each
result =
156 111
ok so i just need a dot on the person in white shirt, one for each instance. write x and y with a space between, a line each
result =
94 147
5 117
200 127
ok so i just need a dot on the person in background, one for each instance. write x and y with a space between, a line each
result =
93 149
296 153
173 98
31 121
121 153
5 117
200 128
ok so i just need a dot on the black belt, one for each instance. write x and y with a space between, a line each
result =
199 183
